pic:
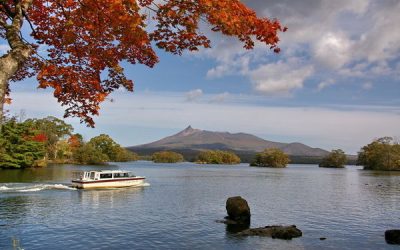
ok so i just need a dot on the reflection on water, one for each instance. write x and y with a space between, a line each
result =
236 228
350 207
109 197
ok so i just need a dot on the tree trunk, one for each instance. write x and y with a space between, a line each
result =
3 87
11 62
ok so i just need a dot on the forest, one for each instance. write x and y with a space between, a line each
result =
38 142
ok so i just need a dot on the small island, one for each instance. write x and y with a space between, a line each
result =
166 157
271 157
335 159
381 154
217 157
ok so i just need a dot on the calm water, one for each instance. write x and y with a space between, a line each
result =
350 207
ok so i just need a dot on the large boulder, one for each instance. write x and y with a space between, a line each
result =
238 210
392 236
279 232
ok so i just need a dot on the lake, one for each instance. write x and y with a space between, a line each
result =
178 208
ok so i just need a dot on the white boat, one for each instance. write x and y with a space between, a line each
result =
106 179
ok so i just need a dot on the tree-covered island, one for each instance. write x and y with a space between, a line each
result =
381 154
271 157
335 159
217 157
166 157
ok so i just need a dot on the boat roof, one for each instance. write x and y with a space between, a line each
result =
106 171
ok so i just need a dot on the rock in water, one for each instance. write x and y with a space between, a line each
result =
238 210
392 236
279 232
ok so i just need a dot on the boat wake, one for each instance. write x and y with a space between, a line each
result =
34 187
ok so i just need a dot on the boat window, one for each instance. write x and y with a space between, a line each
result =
104 176
118 175
91 175
126 175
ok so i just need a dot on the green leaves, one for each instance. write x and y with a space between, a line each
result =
336 159
271 157
18 148
166 157
218 157
381 154
101 149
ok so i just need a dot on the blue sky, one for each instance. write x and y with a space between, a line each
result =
336 83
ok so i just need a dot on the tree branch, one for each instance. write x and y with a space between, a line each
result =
29 21
7 10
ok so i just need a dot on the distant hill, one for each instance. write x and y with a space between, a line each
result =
190 141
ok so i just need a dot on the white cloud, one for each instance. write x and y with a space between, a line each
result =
333 50
279 78
356 39
193 95
325 84
231 66
219 98
367 86
381 42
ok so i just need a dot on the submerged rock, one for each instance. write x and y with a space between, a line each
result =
392 236
238 210
275 231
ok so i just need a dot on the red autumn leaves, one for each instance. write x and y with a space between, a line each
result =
86 41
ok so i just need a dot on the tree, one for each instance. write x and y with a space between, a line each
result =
166 157
271 157
89 154
86 40
335 159
381 154
55 130
75 141
217 157
107 146
124 155
20 145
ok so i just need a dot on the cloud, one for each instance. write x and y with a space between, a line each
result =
279 78
333 50
231 66
193 95
220 97
381 42
367 86
355 39
325 84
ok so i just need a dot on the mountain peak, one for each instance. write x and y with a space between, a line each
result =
188 131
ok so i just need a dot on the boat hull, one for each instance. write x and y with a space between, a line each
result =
131 182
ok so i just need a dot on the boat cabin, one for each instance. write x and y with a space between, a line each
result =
101 175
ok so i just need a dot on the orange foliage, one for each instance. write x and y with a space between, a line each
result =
39 138
74 142
86 40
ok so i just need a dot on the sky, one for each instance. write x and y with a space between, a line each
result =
335 84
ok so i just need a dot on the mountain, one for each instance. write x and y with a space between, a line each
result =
190 141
